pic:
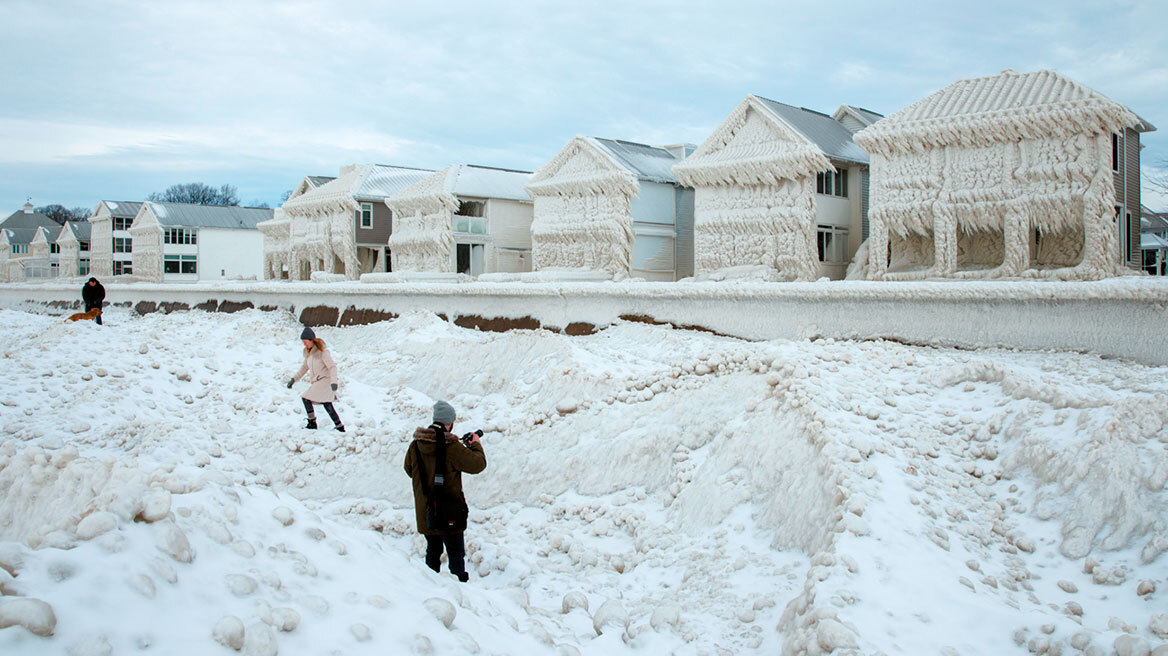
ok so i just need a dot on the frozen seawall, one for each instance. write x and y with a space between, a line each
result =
1119 317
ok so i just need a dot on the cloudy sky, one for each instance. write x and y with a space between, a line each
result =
119 98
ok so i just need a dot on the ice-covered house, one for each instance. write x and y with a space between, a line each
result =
779 186
463 219
73 249
110 244
615 207
343 225
43 259
181 242
1016 174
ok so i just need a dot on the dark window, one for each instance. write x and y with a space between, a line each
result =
170 264
463 258
190 264
366 215
1114 152
83 245
471 208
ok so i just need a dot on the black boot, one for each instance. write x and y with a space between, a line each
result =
311 422
339 428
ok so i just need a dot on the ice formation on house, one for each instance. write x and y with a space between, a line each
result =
1000 176
771 189
69 250
613 206
5 253
277 245
110 221
463 219
342 225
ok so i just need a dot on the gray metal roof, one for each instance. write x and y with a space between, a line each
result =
820 129
318 180
1153 223
21 219
384 181
20 235
647 162
81 229
123 208
209 216
867 113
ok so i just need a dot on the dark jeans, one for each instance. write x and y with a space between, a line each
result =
455 552
328 407
89 307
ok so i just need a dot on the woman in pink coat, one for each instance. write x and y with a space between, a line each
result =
322 373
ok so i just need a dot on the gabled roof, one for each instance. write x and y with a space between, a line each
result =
208 216
583 167
648 163
820 129
50 233
21 219
122 208
441 190
767 142
82 230
1006 107
21 235
370 182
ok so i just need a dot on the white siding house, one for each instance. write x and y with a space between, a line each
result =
179 242
613 206
463 219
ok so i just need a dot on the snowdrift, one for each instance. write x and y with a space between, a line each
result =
648 490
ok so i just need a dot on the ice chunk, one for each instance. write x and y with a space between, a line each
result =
33 614
441 609
228 632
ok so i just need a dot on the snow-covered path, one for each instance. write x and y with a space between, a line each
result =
673 491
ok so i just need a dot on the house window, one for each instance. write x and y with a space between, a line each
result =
123 222
54 248
471 225
123 245
179 236
190 264
1114 152
83 246
365 215
83 268
832 243
122 268
19 249
832 184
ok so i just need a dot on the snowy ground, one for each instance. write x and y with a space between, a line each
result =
648 491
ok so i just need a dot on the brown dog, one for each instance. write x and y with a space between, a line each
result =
81 316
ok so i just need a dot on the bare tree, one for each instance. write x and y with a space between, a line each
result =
197 193
1159 179
61 214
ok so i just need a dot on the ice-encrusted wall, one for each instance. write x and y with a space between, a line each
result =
101 248
146 253
593 232
422 242
69 253
1004 176
277 245
322 240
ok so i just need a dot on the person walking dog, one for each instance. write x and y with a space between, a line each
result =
436 460
93 295
322 374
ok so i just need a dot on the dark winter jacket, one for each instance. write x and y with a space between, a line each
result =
459 458
93 295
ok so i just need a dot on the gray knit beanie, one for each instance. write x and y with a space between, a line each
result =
307 334
443 413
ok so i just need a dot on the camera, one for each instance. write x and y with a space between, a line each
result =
467 438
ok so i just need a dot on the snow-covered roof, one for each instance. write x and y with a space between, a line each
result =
441 190
1149 241
648 163
1004 107
369 182
208 216
318 180
820 129
766 142
50 233
122 208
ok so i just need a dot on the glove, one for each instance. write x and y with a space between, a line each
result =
290 381
334 386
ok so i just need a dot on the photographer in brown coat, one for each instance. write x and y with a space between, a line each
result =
436 460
